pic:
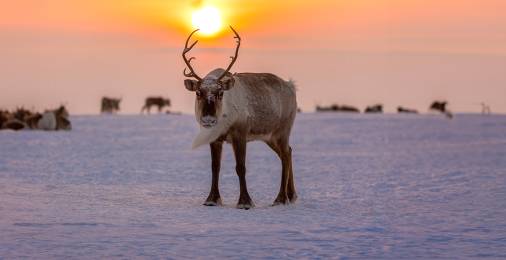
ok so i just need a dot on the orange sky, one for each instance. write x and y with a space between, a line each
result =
399 52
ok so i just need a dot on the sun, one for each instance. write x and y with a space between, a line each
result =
207 19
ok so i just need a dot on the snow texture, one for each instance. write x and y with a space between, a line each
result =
369 186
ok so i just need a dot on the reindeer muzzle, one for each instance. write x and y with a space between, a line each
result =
208 121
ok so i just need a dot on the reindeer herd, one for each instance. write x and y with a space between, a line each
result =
112 105
436 106
49 120
58 119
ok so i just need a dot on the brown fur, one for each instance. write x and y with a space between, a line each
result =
159 102
110 105
440 106
26 119
270 105
240 108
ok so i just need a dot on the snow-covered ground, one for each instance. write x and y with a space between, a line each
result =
370 186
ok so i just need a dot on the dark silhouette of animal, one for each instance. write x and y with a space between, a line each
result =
239 108
406 110
8 120
53 120
15 120
377 109
485 109
3 117
159 102
440 106
110 105
21 113
33 120
337 108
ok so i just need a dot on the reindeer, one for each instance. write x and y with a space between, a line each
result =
110 105
5 118
403 110
15 120
238 108
160 102
374 109
440 106
485 109
53 120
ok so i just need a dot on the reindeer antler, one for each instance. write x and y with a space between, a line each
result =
234 58
188 61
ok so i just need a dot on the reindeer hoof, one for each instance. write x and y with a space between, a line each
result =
281 200
213 202
245 203
292 197
246 206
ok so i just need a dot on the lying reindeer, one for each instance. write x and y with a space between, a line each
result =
53 120
239 108
50 120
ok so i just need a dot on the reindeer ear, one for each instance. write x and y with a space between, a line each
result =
191 85
227 82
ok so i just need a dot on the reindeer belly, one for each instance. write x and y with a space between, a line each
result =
261 137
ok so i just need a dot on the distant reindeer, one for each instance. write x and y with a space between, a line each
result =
440 106
21 113
33 120
377 109
15 120
239 108
110 105
485 109
3 118
53 120
337 108
8 121
159 102
406 110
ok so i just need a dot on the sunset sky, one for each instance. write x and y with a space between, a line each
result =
358 52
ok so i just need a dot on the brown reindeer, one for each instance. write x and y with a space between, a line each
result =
5 116
374 109
15 120
239 108
110 105
440 106
159 102
53 120
403 110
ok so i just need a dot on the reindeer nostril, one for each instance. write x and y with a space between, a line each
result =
208 121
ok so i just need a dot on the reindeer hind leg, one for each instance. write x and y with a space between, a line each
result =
280 146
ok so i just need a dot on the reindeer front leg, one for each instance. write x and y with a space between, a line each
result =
239 146
214 198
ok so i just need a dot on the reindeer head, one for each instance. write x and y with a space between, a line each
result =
209 91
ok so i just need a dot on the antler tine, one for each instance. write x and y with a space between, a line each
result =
234 58
188 61
187 74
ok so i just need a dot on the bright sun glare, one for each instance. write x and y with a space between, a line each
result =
207 19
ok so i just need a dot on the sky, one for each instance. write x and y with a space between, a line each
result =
355 52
